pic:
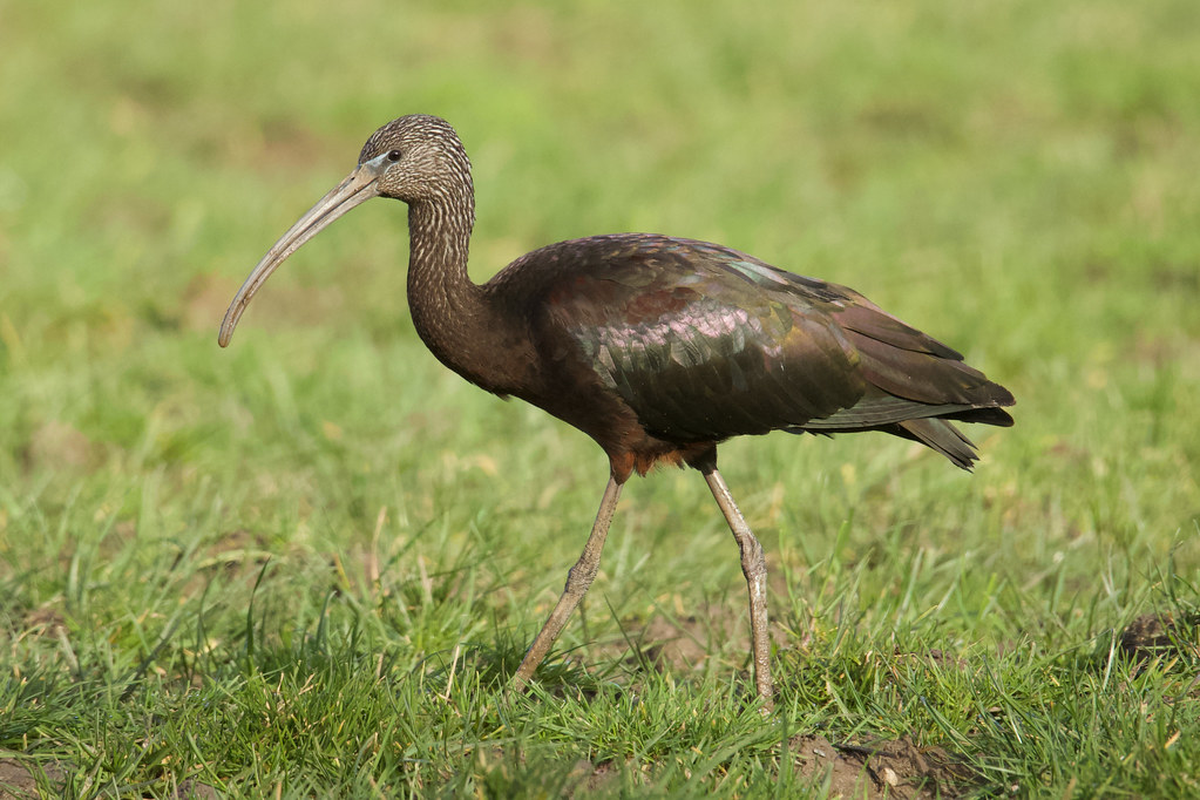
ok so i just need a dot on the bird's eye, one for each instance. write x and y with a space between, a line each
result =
393 156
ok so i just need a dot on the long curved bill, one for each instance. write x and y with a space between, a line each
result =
358 187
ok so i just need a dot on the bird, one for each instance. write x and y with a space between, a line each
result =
657 347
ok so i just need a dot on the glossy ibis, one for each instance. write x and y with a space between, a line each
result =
658 348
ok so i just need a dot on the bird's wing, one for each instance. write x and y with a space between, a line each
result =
702 342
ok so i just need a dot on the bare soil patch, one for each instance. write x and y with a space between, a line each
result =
20 782
891 769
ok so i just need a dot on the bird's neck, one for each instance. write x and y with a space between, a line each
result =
449 311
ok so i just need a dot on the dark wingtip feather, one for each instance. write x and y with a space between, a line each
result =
985 416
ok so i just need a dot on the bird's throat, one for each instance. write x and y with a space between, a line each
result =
449 311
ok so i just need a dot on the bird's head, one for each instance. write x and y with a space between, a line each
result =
418 159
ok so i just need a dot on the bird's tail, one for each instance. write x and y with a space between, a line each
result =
941 436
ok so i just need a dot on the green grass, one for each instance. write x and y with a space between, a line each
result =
306 566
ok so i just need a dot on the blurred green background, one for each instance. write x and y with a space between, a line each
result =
1016 178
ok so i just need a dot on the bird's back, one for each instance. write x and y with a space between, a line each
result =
700 343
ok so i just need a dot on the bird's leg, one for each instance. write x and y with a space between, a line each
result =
578 580
754 567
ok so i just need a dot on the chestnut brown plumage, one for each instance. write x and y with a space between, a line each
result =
658 348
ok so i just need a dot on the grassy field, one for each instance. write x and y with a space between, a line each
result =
306 566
